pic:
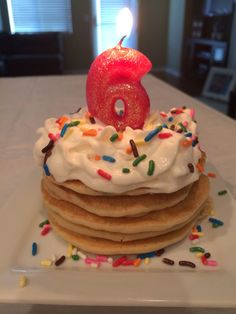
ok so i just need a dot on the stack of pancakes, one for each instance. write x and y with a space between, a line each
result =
132 223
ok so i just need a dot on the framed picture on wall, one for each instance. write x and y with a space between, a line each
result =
219 83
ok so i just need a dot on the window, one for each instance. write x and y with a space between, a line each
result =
105 25
29 16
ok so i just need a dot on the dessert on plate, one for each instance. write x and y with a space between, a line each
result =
122 182
104 200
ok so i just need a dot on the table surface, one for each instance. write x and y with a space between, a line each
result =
26 102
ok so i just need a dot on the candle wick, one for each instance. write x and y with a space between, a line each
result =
121 41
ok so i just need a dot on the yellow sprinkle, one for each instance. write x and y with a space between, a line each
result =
200 234
199 254
137 262
149 126
68 133
69 250
46 262
83 128
82 122
140 142
22 281
212 212
146 260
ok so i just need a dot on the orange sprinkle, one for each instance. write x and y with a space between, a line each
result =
90 132
137 262
97 157
211 175
120 136
62 120
128 150
87 115
200 167
186 143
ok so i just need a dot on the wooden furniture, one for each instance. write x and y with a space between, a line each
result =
31 54
232 105
207 31
204 53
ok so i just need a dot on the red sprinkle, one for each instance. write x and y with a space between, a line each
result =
54 137
104 174
45 229
119 261
164 135
204 260
211 174
163 114
128 262
193 237
177 111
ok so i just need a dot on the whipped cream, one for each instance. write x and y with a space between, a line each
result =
77 156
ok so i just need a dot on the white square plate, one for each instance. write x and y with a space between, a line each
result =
75 283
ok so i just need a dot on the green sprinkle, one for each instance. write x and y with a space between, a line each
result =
125 170
73 123
197 249
223 192
215 225
183 127
137 160
75 257
45 222
151 167
114 137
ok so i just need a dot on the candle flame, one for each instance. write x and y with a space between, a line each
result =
124 23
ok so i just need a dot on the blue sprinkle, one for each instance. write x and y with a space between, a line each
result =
108 158
63 131
164 126
170 119
145 255
188 134
194 143
199 228
46 170
152 133
216 221
34 248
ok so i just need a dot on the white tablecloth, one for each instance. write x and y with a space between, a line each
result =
26 102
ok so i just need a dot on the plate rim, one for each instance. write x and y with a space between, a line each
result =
35 292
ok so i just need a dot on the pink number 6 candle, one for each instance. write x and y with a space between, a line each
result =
115 75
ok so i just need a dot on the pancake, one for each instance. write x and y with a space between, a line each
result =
108 247
79 187
115 236
160 220
116 206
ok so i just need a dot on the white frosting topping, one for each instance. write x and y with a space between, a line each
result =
75 156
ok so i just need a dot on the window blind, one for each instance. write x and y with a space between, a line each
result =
29 16
106 16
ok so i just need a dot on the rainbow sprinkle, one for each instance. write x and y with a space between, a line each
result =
164 135
114 137
104 174
139 159
63 131
46 170
108 158
90 132
125 170
151 134
151 167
